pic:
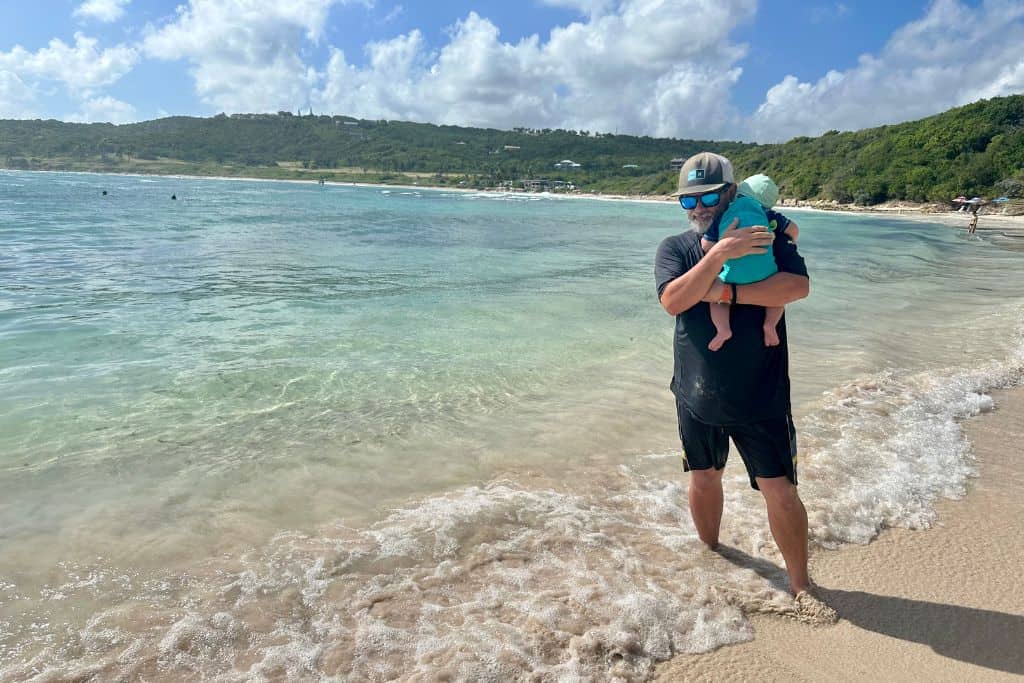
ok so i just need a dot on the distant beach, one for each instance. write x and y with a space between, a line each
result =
990 217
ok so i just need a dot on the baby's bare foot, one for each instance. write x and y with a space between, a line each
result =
771 337
719 340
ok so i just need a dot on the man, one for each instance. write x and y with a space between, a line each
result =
742 390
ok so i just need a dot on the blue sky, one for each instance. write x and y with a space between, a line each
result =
740 69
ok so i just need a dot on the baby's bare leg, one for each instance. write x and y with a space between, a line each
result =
723 331
772 316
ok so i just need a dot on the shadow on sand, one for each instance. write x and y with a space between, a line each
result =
994 640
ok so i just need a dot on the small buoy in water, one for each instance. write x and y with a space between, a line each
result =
173 196
104 193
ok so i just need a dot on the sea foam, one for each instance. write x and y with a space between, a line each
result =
595 575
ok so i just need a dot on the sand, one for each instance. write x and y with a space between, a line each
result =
945 604
987 222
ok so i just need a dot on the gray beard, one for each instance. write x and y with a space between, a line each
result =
701 226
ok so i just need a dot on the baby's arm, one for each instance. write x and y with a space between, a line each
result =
706 244
792 230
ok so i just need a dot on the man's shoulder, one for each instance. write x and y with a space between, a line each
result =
676 255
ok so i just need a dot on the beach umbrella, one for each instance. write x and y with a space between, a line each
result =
975 200
961 199
1000 200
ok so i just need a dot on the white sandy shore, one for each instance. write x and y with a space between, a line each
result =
986 221
944 604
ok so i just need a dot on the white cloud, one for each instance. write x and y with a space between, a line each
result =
395 12
655 67
245 55
103 109
638 67
954 55
80 67
585 7
102 10
17 98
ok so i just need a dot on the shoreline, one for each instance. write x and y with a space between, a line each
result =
922 212
937 604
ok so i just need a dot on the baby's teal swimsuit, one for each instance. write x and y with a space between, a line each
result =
753 267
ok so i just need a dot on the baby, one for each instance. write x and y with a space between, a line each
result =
754 198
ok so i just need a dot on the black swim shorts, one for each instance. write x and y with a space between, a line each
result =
768 447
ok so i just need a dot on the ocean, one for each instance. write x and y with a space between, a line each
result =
280 430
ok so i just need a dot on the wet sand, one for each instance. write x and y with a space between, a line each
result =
944 604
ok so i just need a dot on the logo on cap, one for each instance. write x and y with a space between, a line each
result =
695 174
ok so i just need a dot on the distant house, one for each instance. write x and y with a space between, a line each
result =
460 142
677 163
545 185
513 148
566 164
630 166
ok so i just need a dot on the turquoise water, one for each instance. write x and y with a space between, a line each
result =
392 384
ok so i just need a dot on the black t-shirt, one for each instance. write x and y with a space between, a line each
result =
744 381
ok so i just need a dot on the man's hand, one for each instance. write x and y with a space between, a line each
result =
701 282
739 242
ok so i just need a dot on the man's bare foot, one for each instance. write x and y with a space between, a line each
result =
771 337
719 340
809 609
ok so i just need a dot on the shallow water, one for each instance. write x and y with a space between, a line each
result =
281 429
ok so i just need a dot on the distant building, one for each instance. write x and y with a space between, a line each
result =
545 185
512 147
677 163
566 164
630 166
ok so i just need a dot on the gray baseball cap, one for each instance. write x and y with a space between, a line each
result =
704 172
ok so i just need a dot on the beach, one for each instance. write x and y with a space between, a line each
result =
942 604
286 431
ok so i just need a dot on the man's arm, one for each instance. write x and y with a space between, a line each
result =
778 290
691 287
789 284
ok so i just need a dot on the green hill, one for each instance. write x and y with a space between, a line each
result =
976 149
